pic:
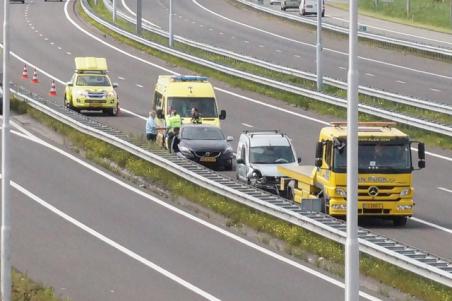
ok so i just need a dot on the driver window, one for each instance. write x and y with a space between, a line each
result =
327 151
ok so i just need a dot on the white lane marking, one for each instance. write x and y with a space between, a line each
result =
247 125
139 86
193 22
432 225
114 244
46 39
210 29
201 25
68 53
232 37
261 46
278 50
52 43
326 49
36 31
59 48
297 56
246 42
401 82
445 189
133 113
342 68
189 216
221 33
40 34
435 90
369 74
121 78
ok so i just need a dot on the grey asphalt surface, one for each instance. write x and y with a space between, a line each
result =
376 66
433 204
82 267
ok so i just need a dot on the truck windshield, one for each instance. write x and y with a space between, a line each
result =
385 158
206 106
271 155
93 80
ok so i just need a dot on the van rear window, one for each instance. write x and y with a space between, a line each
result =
183 105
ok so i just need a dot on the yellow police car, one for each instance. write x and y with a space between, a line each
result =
91 88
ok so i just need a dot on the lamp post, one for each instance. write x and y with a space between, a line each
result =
351 244
6 145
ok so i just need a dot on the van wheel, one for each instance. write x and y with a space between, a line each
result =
399 221
283 8
323 13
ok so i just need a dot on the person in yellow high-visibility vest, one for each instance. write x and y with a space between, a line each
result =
172 122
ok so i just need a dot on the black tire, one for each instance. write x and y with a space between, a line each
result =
112 111
228 165
400 221
323 14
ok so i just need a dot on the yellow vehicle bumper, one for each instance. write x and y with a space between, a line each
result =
94 105
404 207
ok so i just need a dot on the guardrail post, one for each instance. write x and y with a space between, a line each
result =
5 248
170 26
139 17
351 244
319 46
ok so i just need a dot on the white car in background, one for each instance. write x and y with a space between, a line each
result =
285 4
309 7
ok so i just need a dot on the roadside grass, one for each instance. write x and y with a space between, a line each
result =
24 289
306 103
429 14
299 242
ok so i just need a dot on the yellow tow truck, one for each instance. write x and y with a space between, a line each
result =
385 169
90 88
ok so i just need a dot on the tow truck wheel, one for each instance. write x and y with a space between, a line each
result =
400 221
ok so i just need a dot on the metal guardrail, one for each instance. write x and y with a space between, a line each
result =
391 251
369 91
411 121
397 42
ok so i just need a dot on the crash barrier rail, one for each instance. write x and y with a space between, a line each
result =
382 113
391 251
433 49
369 91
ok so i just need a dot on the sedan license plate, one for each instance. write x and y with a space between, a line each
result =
373 206
208 159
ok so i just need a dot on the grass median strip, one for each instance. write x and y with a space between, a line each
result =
306 103
25 289
299 242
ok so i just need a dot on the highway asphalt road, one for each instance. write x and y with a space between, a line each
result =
93 237
137 76
232 26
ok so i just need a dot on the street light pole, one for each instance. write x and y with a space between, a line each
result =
319 46
114 11
139 17
351 244
5 251
170 27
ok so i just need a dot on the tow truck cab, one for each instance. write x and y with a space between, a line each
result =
385 167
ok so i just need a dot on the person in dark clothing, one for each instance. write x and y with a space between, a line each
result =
175 141
195 116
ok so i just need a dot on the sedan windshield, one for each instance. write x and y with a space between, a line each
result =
93 80
271 155
206 106
381 157
202 133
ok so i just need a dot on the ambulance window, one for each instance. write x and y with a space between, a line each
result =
157 100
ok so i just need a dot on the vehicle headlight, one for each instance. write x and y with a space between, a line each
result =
83 94
111 94
405 191
404 207
184 149
341 192
339 206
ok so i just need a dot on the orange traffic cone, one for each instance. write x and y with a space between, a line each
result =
52 91
35 79
25 73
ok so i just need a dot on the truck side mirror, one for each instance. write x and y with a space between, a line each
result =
69 84
160 114
115 85
319 154
299 159
421 155
222 115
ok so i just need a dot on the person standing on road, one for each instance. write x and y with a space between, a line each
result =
151 129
